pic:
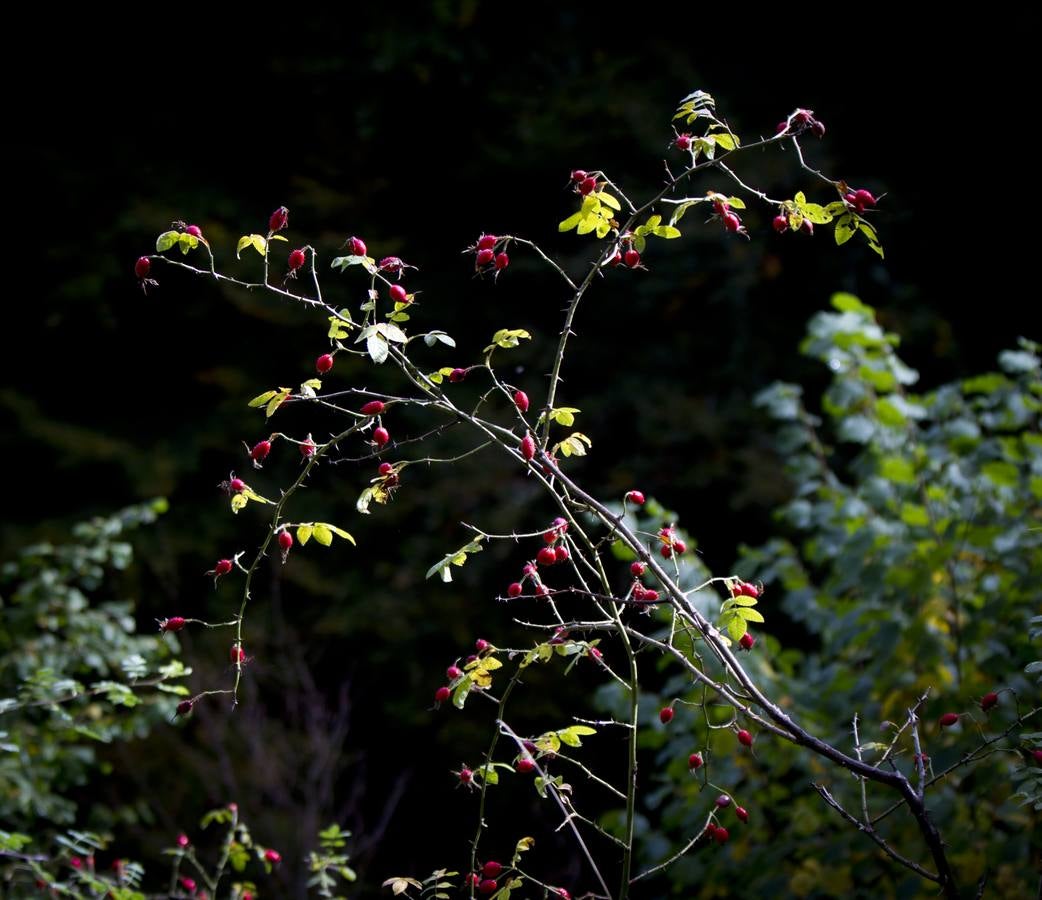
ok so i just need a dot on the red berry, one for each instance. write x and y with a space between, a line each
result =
742 813
549 537
481 645
174 623
237 485
487 241
578 175
802 117
372 408
818 128
746 641
466 776
563 894
491 869
399 294
308 447
587 186
694 761
502 261
632 258
194 231
260 451
442 694
273 856
525 765
381 436
750 590
595 653
665 715
324 363
948 719
561 553
1038 756
529 570
615 260
521 401
484 257
720 207
666 550
721 835
637 568
285 540
515 589
188 884
357 246
683 142
296 259
865 198
457 375
635 497
184 707
528 447
546 556
223 567
237 654
650 596
780 223
391 264
988 700
142 267
807 227
488 886
723 801
453 672
182 841
560 523
279 219
852 199
781 127
731 222
745 738
679 546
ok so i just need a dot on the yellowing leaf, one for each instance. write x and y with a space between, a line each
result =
323 535
304 533
261 399
339 532
166 240
239 501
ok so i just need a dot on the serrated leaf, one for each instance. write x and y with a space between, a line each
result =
391 332
166 240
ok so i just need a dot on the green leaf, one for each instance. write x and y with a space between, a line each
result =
666 231
608 200
571 222
749 614
339 532
727 141
304 533
915 515
849 303
1004 474
897 469
251 240
166 240
845 228
262 399
736 627
322 534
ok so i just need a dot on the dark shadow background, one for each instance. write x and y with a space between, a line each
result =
417 130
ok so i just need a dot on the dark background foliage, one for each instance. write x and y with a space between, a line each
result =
417 131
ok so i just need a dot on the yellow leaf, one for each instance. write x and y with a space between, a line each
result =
323 535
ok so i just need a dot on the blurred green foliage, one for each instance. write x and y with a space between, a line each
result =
907 562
